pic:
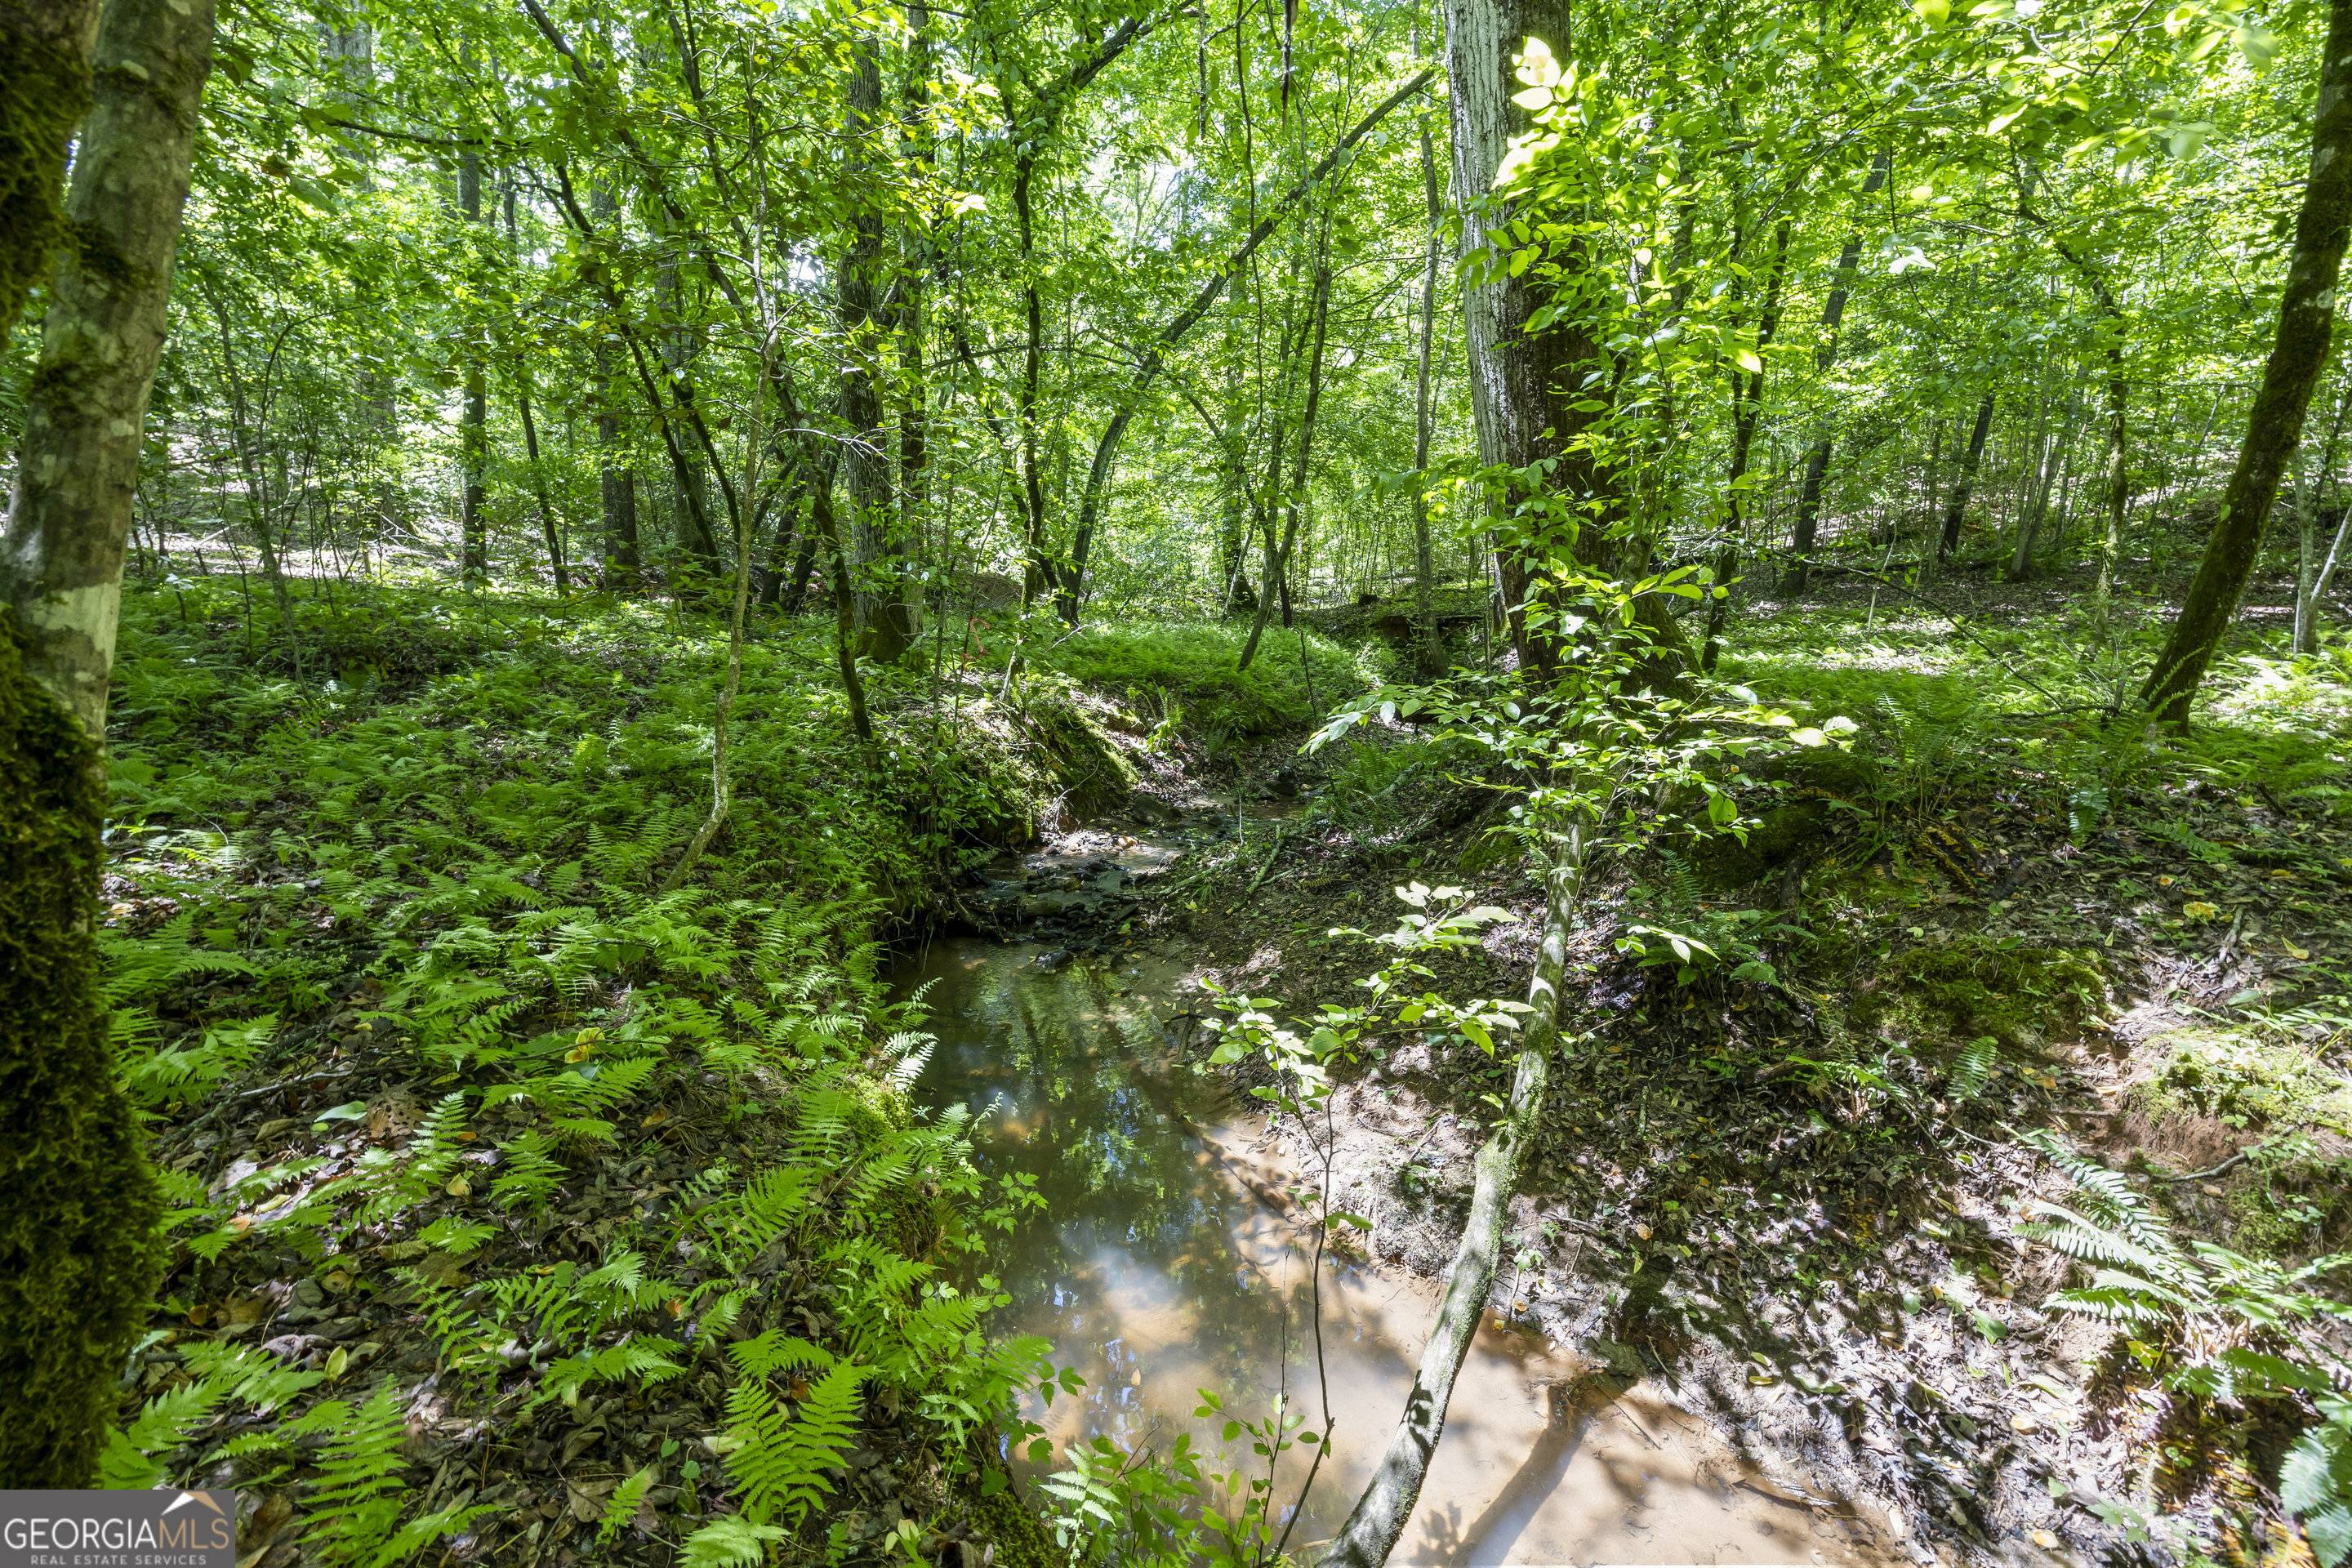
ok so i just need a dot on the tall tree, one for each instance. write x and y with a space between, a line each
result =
2298 356
1817 461
473 432
79 1251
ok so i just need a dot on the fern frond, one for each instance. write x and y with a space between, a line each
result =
731 1541
1974 1069
778 1463
775 1352
624 1505
645 1357
163 1424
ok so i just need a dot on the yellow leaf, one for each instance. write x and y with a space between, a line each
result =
2198 910
459 1187
1750 362
337 1360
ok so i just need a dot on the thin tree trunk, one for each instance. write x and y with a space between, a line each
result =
1817 462
867 462
547 518
2311 575
1154 358
1234 531
1957 508
80 1253
1277 563
2306 317
616 482
1743 438
473 444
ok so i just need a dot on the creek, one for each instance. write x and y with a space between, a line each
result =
1167 1260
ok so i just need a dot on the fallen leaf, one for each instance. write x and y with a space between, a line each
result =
2023 1423
2044 1539
442 1268
587 1500
2211 1190
459 1187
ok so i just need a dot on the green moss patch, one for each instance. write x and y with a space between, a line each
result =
2024 997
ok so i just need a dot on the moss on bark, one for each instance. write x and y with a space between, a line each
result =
43 91
79 1252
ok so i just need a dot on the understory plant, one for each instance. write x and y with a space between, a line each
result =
2216 1324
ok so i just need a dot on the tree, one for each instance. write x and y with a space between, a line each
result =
45 46
78 1256
2298 356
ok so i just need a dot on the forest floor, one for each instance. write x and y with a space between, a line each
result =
1775 1202
467 1125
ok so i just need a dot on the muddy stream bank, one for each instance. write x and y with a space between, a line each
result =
1166 1262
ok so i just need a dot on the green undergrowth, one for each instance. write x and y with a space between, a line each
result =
2024 998
397 989
1295 674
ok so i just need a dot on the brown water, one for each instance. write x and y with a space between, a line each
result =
1166 1262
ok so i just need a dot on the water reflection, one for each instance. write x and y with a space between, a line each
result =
1165 1262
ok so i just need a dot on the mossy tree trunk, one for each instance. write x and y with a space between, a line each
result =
79 1251
86 407
44 88
2298 356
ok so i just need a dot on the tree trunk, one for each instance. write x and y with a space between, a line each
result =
1743 440
1370 1532
78 1258
616 480
547 518
1429 649
1234 526
914 450
473 444
1277 563
688 469
1817 461
866 462
2311 571
1958 506
45 51
1513 374
1530 391
2307 317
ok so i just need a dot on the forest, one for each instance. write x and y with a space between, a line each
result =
1166 782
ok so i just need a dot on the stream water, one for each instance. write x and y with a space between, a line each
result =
1163 1263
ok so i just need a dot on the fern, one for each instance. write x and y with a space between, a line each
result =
774 1351
127 1463
778 1463
643 1357
356 1500
624 1505
528 1175
731 1542
2316 1481
1974 1069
